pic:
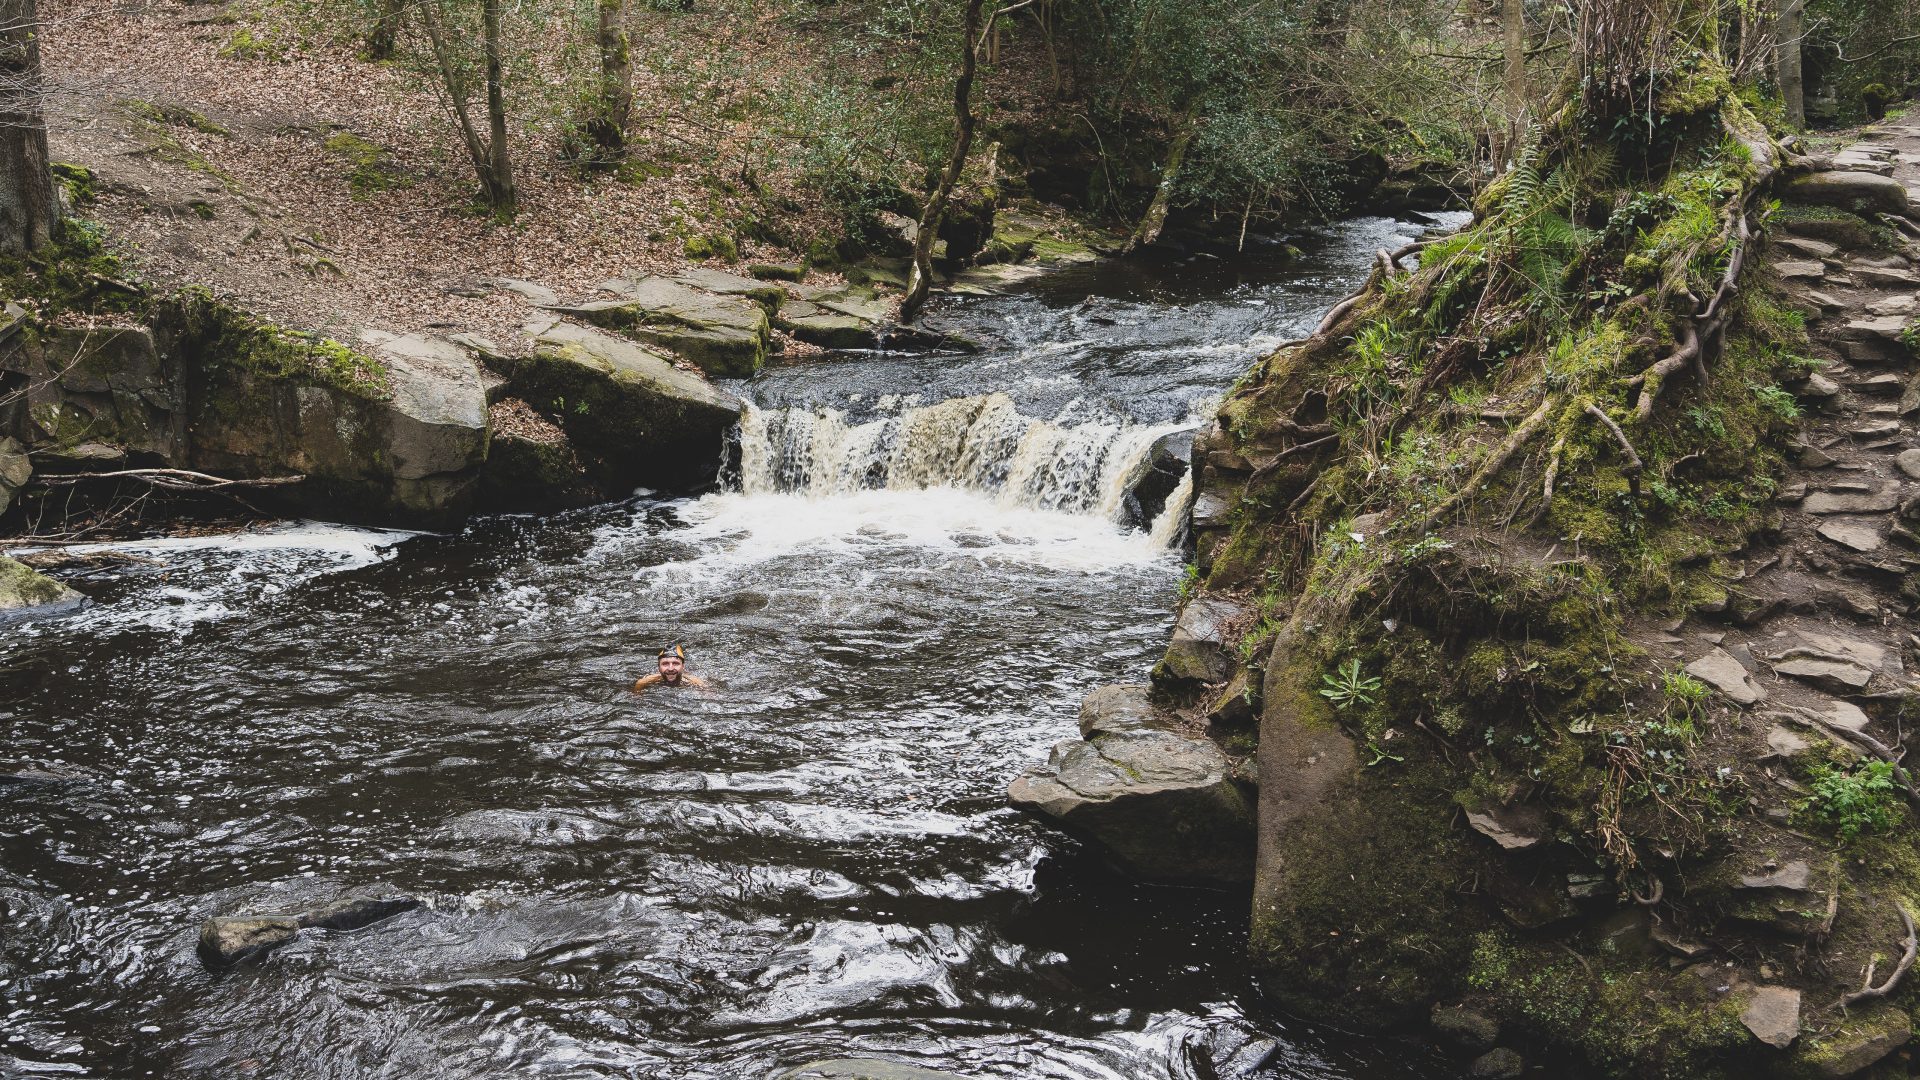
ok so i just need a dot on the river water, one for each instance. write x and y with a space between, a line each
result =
919 569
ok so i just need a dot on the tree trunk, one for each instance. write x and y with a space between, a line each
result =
29 209
921 279
1513 26
606 123
386 24
498 180
1789 29
1155 219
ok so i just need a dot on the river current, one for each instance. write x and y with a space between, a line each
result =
899 601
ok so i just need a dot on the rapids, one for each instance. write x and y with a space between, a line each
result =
916 572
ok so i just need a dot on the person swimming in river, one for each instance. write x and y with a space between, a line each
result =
673 672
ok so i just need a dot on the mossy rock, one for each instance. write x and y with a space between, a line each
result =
725 336
633 418
25 591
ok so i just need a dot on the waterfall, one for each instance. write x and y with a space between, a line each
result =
980 444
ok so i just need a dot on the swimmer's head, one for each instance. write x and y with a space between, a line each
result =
673 661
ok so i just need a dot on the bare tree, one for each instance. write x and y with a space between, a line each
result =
1513 27
1789 28
921 279
29 211
612 103
489 155
385 28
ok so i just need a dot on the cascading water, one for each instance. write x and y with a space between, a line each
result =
980 444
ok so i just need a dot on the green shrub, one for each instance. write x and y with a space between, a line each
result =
1852 801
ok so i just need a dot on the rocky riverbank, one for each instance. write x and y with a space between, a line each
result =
1621 790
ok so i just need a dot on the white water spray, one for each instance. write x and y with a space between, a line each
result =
977 444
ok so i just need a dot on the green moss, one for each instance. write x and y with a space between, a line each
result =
249 43
175 115
714 246
373 169
237 339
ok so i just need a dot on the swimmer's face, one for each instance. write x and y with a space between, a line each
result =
671 667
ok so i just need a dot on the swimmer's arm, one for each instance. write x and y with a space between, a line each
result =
645 681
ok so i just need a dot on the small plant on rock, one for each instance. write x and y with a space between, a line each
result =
1348 686
1862 799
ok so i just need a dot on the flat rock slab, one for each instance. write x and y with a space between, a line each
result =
1846 502
725 336
1857 537
1861 192
1785 742
1720 670
721 283
1794 876
1163 805
1773 1015
1800 269
1839 678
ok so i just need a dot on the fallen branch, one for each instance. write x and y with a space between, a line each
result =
1867 989
1634 465
170 479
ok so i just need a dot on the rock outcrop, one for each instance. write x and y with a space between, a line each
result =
633 417
1165 806
1581 707
726 336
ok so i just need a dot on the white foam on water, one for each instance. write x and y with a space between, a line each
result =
208 578
738 529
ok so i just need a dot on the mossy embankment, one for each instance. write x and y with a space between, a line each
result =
1466 518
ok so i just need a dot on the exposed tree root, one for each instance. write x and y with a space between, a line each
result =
1867 990
1634 464
1496 461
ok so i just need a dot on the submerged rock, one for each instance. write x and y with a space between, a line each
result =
233 939
1164 805
862 1069
26 591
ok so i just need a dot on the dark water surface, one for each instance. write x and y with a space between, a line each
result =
815 859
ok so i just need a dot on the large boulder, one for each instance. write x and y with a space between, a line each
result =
1861 192
394 430
96 386
26 591
725 336
633 418
1165 806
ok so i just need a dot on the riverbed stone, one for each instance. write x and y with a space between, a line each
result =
1464 1028
1862 192
1499 1063
632 417
1163 805
724 336
25 591
862 1069
234 939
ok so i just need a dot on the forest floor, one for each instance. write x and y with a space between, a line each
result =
333 194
